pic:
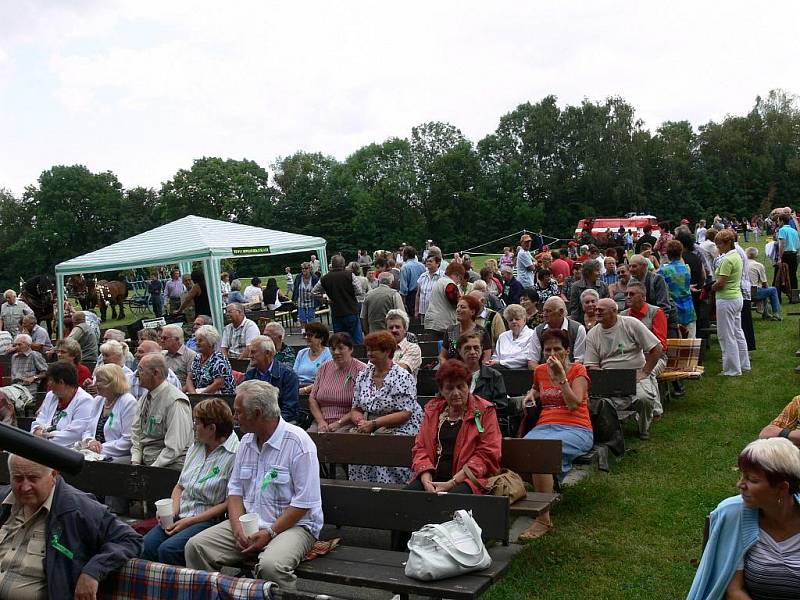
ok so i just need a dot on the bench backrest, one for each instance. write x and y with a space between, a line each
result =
194 399
611 383
240 364
520 455
518 381
683 354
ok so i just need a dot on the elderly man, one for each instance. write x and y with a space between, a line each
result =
590 279
28 367
83 333
162 430
525 264
237 334
625 343
284 353
197 323
149 347
177 356
275 475
657 291
378 303
758 279
174 290
610 276
266 368
554 313
512 289
408 354
655 320
40 339
425 283
56 541
115 335
12 311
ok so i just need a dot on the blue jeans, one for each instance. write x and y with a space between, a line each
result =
352 325
772 294
168 549
306 314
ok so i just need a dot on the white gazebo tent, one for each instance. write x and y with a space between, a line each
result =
183 241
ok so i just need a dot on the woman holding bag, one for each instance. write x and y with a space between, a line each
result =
562 390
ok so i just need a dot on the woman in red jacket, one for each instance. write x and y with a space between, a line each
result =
459 430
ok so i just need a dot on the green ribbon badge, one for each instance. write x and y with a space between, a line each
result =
151 425
60 547
347 379
61 414
478 423
110 419
210 474
269 476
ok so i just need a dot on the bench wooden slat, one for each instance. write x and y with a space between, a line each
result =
612 383
534 504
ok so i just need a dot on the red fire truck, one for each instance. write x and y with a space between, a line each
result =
631 222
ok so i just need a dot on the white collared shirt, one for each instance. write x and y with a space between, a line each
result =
578 350
283 472
514 353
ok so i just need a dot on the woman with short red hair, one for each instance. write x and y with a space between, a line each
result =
384 401
459 431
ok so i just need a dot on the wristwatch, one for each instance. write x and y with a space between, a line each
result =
271 532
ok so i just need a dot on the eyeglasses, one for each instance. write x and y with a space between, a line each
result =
308 335
631 293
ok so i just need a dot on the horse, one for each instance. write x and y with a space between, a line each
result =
83 288
38 292
111 293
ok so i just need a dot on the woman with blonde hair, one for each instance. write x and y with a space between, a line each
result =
109 430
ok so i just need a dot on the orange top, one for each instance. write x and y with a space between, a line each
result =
554 409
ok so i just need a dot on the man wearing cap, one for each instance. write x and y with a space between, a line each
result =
525 264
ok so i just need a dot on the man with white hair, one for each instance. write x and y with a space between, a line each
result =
276 476
56 541
150 347
162 430
266 368
237 334
758 279
83 333
618 342
28 367
12 311
379 302
425 283
284 353
554 313
40 339
177 356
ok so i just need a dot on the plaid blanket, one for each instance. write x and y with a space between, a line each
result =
145 580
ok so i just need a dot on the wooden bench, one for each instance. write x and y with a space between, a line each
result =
522 456
366 506
683 358
518 382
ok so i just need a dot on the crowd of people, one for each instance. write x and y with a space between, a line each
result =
558 313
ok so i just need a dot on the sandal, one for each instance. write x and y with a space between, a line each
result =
537 530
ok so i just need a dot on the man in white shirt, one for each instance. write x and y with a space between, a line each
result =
276 476
253 292
618 342
757 277
238 334
525 264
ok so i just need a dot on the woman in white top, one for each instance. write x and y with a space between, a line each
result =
109 430
66 410
512 350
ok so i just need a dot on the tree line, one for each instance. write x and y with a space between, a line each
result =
544 167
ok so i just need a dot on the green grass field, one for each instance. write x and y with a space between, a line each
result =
636 532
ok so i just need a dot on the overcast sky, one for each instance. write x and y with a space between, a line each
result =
142 88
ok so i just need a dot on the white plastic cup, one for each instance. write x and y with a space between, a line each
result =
164 513
249 523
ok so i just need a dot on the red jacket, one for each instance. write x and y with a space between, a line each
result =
479 451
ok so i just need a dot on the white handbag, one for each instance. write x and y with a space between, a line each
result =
446 550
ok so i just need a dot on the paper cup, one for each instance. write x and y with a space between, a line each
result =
164 512
249 523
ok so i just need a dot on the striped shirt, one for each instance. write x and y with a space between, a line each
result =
333 388
305 299
425 285
204 478
283 472
772 568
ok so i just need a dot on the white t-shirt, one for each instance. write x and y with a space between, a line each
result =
253 294
524 260
619 347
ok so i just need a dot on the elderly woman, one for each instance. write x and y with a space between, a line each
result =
112 353
754 538
70 350
590 280
589 298
384 401
210 372
331 397
66 410
309 359
529 300
728 275
486 381
468 309
441 311
301 294
109 430
408 354
459 432
513 350
679 280
562 390
545 285
235 295
199 499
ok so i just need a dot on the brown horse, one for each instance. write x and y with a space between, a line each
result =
111 293
83 288
38 293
